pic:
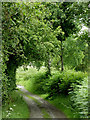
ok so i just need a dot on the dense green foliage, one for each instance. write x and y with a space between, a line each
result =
44 34
61 83
76 51
55 84
34 32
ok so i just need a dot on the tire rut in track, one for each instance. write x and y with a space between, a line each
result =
35 110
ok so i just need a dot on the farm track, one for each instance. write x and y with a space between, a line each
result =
36 104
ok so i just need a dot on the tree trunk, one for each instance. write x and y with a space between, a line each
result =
11 73
58 65
62 68
49 65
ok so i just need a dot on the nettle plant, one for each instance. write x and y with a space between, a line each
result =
80 97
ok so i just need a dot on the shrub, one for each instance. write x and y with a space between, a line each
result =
61 82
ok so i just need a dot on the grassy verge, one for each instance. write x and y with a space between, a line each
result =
64 104
17 108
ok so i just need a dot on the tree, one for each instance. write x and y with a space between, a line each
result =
60 15
25 39
69 16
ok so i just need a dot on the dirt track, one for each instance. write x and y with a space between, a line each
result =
36 107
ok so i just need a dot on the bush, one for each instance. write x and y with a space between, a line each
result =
61 82
80 97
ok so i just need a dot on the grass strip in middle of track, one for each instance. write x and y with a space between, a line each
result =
43 110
